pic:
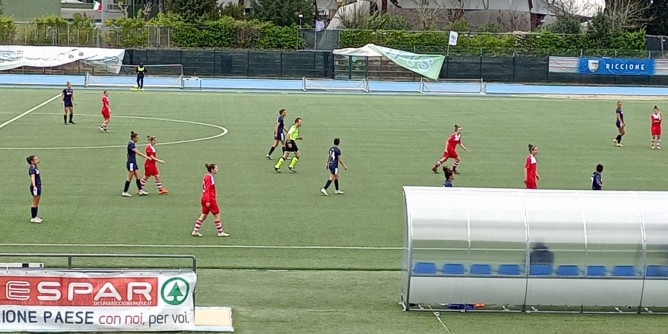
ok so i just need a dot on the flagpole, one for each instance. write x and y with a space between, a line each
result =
104 10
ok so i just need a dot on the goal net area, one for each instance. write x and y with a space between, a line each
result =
453 86
361 85
161 76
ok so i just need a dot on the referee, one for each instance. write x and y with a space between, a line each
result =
141 71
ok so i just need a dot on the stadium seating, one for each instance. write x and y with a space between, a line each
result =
654 270
625 270
596 271
480 269
568 270
424 268
541 269
509 269
454 269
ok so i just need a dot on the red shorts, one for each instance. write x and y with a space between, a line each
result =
531 183
450 154
213 207
150 170
106 114
656 130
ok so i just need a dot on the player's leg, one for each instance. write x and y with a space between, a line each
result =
272 148
198 222
286 153
141 82
71 115
140 187
219 225
128 178
336 184
440 161
65 114
294 161
158 183
454 165
658 140
653 145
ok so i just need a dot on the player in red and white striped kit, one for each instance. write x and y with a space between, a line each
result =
451 150
106 111
150 168
209 203
656 117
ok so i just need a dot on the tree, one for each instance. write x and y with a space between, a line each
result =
161 6
627 15
599 29
658 18
429 12
2 11
566 24
235 11
193 11
283 12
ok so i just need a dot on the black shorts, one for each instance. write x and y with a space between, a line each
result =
291 146
36 191
68 104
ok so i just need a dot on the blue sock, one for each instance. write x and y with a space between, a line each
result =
138 184
327 184
336 184
126 187
33 212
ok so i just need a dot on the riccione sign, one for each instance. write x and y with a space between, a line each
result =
15 56
80 302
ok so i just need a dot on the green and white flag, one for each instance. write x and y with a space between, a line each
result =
425 65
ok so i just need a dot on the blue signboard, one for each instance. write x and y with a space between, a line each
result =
616 66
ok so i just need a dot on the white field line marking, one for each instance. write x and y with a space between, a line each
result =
205 246
223 132
28 111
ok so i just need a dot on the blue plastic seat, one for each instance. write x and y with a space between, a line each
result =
625 270
568 270
655 270
424 268
596 270
480 269
540 269
509 269
454 269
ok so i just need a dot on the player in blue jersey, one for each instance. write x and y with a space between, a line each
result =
333 159
279 132
67 100
449 176
35 187
133 168
596 181
621 125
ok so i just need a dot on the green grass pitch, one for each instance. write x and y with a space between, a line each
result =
333 264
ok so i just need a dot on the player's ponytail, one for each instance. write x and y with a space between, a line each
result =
210 167
133 134
457 127
531 147
29 159
150 137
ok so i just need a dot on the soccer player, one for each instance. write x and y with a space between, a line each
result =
209 203
449 177
150 168
67 100
35 188
141 71
279 132
333 159
451 150
291 146
133 169
621 126
596 181
656 127
531 168
106 111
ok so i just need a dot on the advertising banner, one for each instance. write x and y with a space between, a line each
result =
616 66
59 301
14 56
426 65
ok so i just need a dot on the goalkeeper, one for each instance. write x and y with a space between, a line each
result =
141 71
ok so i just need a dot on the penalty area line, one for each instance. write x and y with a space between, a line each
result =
28 111
208 246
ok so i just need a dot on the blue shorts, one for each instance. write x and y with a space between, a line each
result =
619 125
280 136
132 166
68 104
334 170
36 191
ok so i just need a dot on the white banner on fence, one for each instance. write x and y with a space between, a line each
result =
14 56
58 301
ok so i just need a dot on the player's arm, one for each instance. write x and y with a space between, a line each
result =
461 144
62 97
290 134
619 119
159 160
276 129
526 171
32 180
142 154
342 163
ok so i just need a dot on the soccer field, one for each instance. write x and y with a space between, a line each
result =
298 261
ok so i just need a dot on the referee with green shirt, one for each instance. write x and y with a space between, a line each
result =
291 146
141 71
